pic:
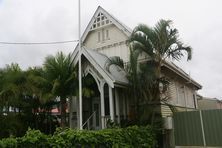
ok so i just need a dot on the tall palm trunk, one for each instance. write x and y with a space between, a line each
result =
156 95
137 104
158 76
63 112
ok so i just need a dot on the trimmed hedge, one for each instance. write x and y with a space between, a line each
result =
133 136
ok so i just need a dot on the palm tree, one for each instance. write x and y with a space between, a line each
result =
60 72
12 89
157 43
38 85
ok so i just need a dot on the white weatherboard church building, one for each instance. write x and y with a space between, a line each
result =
105 37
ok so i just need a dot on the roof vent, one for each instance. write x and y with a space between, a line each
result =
100 20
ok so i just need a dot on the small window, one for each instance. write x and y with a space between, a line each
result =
103 35
100 21
99 37
194 101
107 34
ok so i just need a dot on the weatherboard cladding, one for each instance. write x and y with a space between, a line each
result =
165 111
170 65
173 91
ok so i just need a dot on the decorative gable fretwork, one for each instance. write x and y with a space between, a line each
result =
100 20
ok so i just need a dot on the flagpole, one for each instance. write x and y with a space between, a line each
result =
80 72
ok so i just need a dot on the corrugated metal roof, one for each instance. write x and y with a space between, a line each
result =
172 66
117 73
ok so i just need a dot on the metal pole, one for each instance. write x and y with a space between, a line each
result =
80 73
202 128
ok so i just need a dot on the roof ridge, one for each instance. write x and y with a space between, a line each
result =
126 30
125 26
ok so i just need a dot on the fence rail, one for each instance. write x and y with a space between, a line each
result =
198 128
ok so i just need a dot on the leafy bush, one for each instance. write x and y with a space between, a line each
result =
8 143
130 137
33 138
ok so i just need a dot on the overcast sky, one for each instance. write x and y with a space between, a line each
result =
198 21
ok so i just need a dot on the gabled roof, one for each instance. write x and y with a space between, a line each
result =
115 75
173 67
127 31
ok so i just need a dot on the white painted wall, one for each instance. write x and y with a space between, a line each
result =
114 45
120 50
181 94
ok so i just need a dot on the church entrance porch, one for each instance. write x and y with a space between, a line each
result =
102 91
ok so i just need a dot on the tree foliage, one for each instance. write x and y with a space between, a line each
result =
28 96
61 75
150 48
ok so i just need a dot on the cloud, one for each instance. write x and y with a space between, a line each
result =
35 21
198 21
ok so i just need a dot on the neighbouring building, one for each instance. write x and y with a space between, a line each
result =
206 103
105 36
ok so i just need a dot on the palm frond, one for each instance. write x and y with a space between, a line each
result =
115 60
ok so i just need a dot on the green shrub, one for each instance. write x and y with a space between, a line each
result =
33 138
8 143
130 137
